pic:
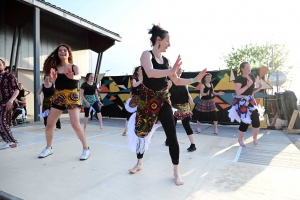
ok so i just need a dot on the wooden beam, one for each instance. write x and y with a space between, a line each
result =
274 120
292 131
293 119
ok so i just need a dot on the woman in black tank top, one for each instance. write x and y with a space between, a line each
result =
48 90
59 64
154 101
131 103
206 106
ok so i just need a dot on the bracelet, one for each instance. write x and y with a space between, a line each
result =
192 80
10 101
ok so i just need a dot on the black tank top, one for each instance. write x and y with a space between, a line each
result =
206 89
136 90
48 92
21 94
179 94
63 82
156 84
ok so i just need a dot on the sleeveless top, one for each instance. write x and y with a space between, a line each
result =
136 90
156 84
206 89
63 82
48 92
21 94
179 94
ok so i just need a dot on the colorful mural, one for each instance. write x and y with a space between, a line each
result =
115 91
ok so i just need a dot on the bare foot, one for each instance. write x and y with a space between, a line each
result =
136 168
101 127
242 143
255 141
84 129
178 180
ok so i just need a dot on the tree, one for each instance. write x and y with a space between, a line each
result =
258 55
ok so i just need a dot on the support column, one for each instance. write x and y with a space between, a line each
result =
99 60
18 52
36 60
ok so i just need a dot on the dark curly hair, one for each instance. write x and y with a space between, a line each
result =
203 79
135 72
53 60
157 31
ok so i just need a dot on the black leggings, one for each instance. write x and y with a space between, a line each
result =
96 106
186 125
166 118
255 122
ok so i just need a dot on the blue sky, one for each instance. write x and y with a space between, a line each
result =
201 31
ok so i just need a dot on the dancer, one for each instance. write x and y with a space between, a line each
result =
154 102
244 108
181 100
206 106
22 94
9 91
48 91
59 64
89 95
131 103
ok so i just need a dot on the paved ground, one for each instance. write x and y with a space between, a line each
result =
218 169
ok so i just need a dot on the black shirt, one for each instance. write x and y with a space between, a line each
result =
243 81
205 90
88 89
21 94
156 84
179 94
136 90
63 82
48 92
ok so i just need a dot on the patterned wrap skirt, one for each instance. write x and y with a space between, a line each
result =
242 108
183 110
131 103
91 99
206 105
66 98
142 123
47 103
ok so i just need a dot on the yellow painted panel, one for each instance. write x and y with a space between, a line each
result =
225 84
124 97
113 87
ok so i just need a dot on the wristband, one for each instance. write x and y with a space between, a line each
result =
192 80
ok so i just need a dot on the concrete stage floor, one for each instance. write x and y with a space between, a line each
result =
218 169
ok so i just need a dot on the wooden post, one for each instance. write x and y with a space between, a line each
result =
292 122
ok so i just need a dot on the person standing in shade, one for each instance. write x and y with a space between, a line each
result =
244 107
9 91
206 106
181 100
132 102
89 95
22 94
154 102
48 91
59 64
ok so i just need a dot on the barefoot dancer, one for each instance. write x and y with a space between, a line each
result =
59 64
181 100
154 101
89 95
244 108
206 106
131 104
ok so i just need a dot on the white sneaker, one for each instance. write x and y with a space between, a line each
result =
9 145
6 146
198 130
46 152
85 154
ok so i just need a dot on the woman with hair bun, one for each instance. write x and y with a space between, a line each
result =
131 103
244 108
59 64
154 102
89 95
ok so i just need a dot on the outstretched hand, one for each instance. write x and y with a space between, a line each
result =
53 74
70 74
177 64
200 75
221 93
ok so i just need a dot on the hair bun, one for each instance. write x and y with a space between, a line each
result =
155 28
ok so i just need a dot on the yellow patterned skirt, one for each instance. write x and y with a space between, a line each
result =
66 99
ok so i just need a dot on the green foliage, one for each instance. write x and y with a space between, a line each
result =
258 55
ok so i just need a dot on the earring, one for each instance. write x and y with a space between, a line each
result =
158 45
